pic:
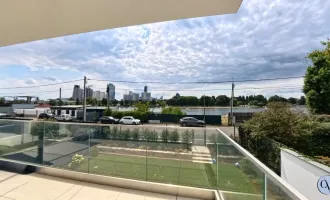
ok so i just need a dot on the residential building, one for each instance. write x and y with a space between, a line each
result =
102 95
76 92
81 94
111 92
89 92
97 95
135 96
128 97
131 96
145 88
146 96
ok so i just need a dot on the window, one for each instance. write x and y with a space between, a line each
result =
67 111
58 112
73 113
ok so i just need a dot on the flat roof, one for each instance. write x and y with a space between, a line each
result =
26 21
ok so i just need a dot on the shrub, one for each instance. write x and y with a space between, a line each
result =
150 135
174 136
76 161
247 167
106 132
136 134
281 123
125 135
164 135
173 111
94 151
114 133
187 138
107 112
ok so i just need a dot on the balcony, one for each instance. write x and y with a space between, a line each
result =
201 163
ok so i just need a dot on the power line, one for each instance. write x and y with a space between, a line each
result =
35 86
217 89
200 82
41 92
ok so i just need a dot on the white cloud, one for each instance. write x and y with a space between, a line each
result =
265 39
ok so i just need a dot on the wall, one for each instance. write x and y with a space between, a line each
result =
169 118
303 174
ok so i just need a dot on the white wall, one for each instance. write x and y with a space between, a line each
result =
303 174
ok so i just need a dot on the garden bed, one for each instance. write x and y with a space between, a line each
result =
144 152
139 144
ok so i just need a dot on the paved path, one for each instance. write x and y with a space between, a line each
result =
201 154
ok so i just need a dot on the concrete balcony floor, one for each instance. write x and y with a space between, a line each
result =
41 187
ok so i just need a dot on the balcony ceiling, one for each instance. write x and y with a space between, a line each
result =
29 20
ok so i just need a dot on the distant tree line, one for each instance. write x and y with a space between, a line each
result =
223 100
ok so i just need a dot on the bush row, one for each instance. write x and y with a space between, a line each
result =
145 134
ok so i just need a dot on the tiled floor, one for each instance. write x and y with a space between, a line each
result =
41 187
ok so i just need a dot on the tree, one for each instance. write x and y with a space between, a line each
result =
77 102
281 123
107 112
104 102
52 102
277 98
317 81
2 100
292 100
222 100
173 111
302 100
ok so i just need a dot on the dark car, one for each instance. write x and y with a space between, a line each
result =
108 120
46 116
190 121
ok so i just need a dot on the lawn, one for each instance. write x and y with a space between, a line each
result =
170 171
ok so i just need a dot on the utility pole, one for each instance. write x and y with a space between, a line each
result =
60 101
232 103
108 96
204 107
84 103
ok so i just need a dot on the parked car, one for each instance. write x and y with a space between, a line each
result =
129 120
46 116
64 117
190 121
108 120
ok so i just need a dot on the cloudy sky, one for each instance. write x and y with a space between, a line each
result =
265 39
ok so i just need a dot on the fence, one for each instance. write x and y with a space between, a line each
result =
170 118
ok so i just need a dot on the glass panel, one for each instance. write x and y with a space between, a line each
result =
19 140
118 151
274 192
236 172
66 145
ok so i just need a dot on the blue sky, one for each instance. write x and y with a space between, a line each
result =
265 39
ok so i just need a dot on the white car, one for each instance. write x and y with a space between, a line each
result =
65 117
129 120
